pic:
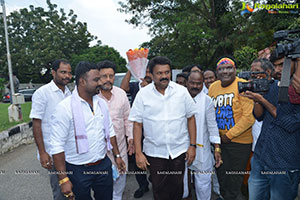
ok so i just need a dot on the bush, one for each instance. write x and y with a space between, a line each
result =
2 87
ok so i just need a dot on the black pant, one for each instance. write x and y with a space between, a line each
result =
97 177
140 178
231 173
167 177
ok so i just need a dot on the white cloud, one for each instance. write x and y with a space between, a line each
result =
109 25
102 18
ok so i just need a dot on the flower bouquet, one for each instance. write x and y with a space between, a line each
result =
137 62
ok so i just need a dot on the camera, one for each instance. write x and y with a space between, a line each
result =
254 84
290 48
287 46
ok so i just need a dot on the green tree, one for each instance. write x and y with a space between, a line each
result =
244 57
38 36
200 31
99 53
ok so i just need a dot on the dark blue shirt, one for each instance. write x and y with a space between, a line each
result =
133 90
278 146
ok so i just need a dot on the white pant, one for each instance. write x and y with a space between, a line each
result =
215 183
185 183
119 186
203 185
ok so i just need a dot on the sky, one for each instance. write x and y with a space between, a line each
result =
102 18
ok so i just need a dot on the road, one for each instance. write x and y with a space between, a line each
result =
22 177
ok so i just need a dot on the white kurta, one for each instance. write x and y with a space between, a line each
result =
207 133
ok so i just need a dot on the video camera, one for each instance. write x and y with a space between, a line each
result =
287 46
254 84
290 48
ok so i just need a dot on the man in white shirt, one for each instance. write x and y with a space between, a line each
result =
166 112
209 77
82 132
207 133
119 109
44 101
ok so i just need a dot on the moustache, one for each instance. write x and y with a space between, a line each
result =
108 83
164 79
66 79
195 89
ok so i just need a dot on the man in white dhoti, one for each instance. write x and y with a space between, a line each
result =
207 133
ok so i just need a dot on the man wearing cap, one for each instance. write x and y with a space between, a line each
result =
234 118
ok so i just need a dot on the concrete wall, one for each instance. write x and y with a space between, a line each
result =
16 136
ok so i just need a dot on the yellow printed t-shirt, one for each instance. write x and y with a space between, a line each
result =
233 112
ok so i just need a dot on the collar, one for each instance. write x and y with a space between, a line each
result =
55 88
113 92
170 87
95 97
197 98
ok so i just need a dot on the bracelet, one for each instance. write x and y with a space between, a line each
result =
193 145
64 180
217 149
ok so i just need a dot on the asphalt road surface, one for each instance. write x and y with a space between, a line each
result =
22 177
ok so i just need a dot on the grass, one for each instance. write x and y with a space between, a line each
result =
4 123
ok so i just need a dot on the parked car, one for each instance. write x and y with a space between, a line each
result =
6 98
26 92
118 80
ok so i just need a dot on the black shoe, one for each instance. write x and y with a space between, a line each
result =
140 192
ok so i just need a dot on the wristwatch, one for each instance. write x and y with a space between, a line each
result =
193 145
118 156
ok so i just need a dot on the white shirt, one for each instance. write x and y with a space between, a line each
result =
164 119
207 132
63 136
205 89
256 129
44 101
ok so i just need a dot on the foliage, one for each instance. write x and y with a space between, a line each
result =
244 57
4 123
200 31
2 87
38 36
99 53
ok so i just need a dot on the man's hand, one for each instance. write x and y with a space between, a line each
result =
296 83
252 95
144 82
218 159
45 160
190 155
66 189
131 148
121 165
225 139
141 161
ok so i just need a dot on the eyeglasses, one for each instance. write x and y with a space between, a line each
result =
105 76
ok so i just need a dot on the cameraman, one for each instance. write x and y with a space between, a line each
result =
276 161
278 65
265 67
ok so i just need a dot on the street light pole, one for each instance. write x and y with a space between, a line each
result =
11 82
